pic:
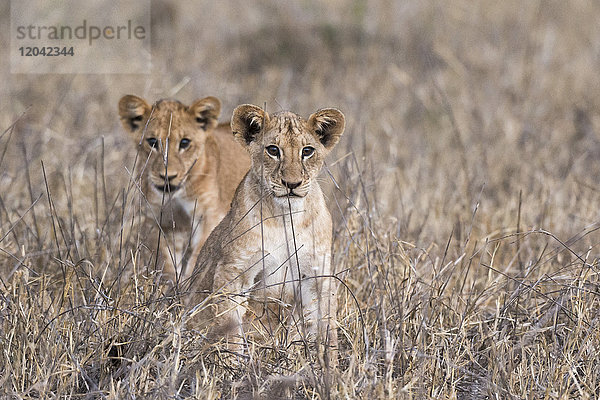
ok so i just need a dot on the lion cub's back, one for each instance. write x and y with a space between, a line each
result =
234 161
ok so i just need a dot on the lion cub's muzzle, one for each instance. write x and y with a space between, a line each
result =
167 183
291 189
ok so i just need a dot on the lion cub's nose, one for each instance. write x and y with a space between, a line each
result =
291 185
169 178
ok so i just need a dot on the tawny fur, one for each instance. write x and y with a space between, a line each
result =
274 244
189 186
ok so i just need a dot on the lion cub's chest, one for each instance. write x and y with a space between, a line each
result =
182 222
173 214
293 250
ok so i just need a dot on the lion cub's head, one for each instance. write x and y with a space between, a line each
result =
171 136
287 149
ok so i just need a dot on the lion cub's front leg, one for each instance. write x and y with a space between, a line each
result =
319 302
199 236
232 286
230 306
174 248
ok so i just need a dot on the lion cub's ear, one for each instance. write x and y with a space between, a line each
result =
328 125
206 112
133 111
247 122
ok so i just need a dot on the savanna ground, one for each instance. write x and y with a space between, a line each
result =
465 203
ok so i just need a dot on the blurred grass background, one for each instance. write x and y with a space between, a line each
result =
466 204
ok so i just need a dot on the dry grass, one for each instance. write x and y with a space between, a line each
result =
466 204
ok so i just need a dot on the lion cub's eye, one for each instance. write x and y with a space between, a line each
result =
308 151
153 142
273 151
184 143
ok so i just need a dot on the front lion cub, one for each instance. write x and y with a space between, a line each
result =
189 169
274 245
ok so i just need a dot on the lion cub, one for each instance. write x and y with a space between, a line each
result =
274 244
189 169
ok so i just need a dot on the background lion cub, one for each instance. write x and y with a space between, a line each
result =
274 244
190 168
